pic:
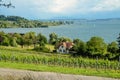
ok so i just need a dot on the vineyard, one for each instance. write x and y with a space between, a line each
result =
57 60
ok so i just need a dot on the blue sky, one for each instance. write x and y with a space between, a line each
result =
47 9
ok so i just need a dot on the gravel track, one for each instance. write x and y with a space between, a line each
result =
48 75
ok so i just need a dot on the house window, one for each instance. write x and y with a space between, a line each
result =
62 46
64 51
60 50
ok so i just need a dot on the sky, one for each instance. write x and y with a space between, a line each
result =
50 9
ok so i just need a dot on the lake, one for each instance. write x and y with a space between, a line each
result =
83 31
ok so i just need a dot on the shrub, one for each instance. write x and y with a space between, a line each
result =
42 48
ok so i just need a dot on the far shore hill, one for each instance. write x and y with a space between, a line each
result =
21 22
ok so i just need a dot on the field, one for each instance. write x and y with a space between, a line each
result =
50 62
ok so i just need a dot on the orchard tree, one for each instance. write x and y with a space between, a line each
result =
76 41
1 36
53 38
41 39
79 47
113 47
20 39
96 46
13 41
5 41
29 38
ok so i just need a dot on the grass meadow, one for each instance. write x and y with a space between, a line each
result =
26 59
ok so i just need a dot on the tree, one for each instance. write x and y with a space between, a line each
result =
29 38
64 39
53 38
118 40
96 46
41 39
76 41
113 47
5 41
79 47
1 36
19 39
2 3
13 42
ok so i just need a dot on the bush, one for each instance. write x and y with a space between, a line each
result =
5 41
42 49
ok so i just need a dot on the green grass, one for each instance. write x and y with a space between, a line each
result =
19 58
58 69
51 47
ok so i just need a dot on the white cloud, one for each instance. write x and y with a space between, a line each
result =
54 6
63 5
48 8
73 6
41 5
106 5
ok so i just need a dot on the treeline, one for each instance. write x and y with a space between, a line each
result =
28 39
20 22
95 47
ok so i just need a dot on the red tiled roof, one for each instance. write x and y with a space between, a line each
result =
68 45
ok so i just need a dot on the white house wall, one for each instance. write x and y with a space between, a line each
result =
61 49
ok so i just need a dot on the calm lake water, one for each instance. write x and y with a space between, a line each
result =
109 32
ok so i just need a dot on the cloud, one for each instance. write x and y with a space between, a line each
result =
106 5
53 8
69 6
63 5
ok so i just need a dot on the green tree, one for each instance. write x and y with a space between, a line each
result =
5 41
96 46
118 40
13 42
64 39
41 39
79 47
16 21
1 36
29 38
19 39
113 47
53 38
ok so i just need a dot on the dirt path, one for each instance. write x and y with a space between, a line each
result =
48 75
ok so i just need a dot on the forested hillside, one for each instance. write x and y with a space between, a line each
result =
20 22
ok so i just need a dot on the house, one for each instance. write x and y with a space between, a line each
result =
64 47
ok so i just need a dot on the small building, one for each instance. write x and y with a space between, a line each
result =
64 47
